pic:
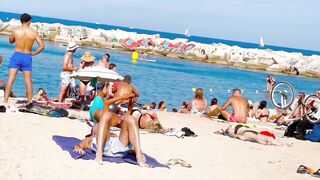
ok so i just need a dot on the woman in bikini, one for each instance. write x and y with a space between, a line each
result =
148 120
199 104
263 112
162 106
87 61
245 133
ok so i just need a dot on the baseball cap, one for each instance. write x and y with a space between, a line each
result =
25 17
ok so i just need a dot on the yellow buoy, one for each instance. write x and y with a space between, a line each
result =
194 89
135 56
134 61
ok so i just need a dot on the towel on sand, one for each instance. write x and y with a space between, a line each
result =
68 143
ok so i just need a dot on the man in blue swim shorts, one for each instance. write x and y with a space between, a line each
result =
21 60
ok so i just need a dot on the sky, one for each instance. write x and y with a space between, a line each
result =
289 23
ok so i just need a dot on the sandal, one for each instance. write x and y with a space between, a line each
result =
178 161
316 174
302 169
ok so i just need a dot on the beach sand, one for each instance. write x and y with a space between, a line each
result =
27 151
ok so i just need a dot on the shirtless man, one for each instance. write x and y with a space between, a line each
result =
125 87
239 105
22 58
105 61
68 68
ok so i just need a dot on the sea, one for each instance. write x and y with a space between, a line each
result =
169 80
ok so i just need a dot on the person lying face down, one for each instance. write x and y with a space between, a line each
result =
246 134
148 120
105 143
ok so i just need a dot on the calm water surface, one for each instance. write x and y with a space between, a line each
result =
168 79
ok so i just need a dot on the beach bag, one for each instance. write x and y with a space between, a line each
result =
3 109
314 135
188 132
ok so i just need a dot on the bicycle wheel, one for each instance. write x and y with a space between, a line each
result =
312 109
282 95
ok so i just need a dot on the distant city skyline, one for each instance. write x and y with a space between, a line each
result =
289 23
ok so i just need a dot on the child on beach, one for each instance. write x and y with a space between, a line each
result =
41 95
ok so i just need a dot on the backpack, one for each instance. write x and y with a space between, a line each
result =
314 135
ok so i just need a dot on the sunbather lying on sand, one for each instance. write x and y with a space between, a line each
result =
246 134
148 120
108 144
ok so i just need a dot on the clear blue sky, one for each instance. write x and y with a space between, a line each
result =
290 23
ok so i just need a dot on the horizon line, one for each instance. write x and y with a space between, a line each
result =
160 31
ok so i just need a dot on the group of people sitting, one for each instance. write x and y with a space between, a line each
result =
115 106
198 105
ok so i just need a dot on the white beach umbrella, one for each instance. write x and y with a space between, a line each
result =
103 75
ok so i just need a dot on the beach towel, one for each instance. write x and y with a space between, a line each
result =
45 110
68 143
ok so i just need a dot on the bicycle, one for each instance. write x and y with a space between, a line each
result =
284 92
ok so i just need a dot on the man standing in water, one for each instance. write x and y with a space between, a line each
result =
22 58
239 105
67 69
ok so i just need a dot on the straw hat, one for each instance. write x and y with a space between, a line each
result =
87 57
72 46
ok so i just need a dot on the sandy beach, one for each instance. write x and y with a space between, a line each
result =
27 151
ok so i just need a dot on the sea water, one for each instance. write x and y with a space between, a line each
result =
170 80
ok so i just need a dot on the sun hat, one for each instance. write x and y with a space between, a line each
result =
72 46
87 57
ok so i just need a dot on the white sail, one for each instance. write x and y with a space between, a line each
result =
261 42
186 33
